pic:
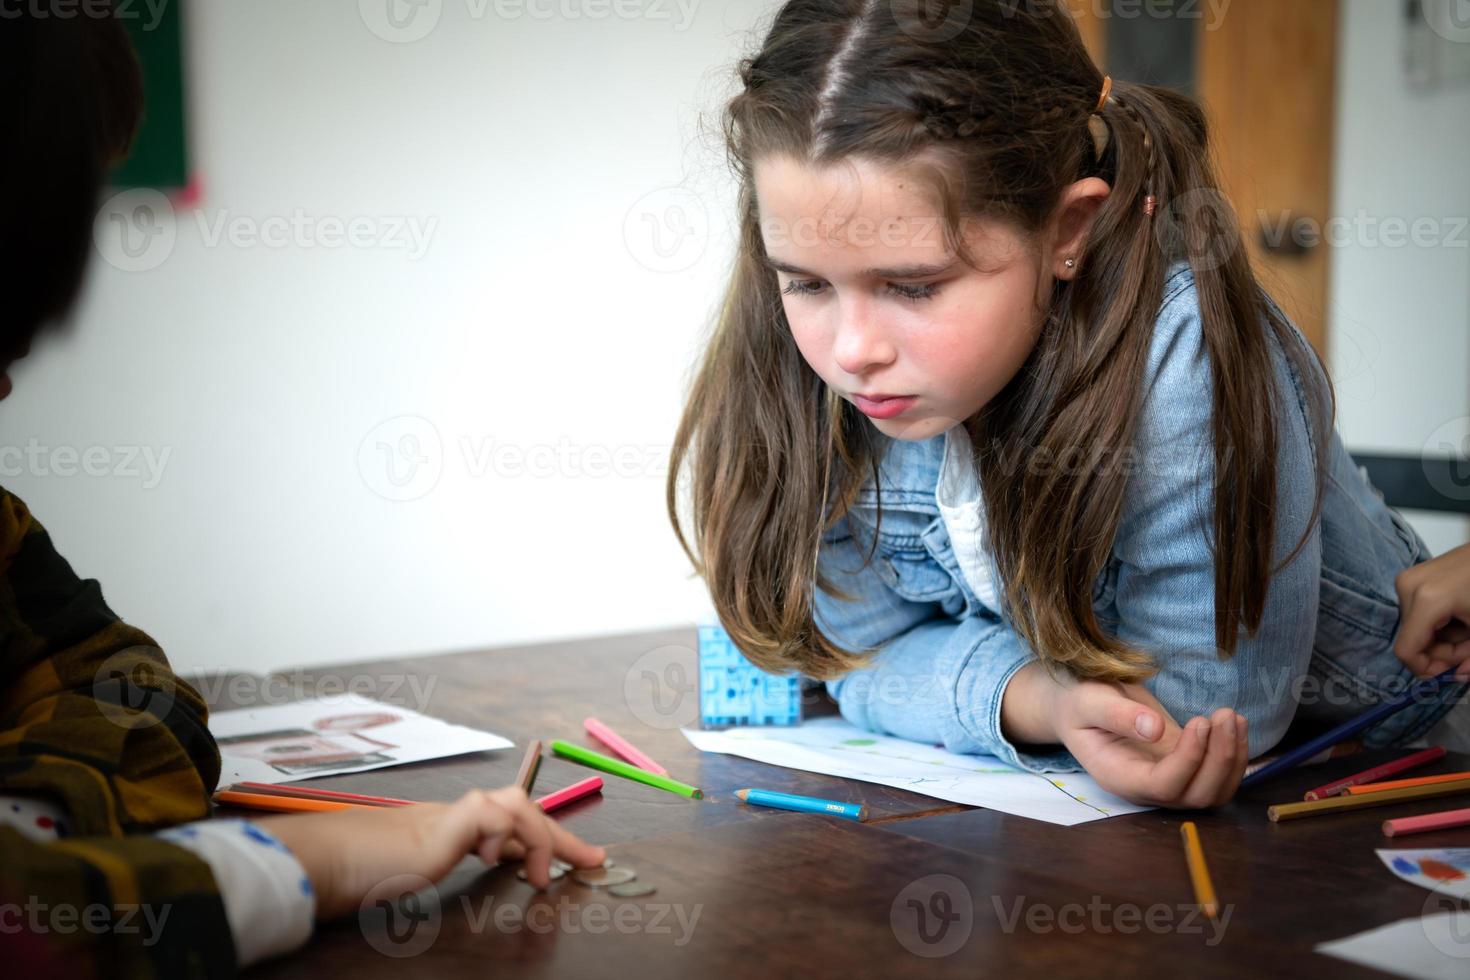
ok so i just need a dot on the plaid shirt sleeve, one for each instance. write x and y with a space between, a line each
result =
93 719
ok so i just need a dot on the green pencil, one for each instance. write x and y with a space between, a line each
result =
619 768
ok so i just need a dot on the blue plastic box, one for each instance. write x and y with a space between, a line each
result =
733 691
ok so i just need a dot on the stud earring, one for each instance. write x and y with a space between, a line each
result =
1071 263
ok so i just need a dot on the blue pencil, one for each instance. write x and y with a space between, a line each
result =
803 804
1349 728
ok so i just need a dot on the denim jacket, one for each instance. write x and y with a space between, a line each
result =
1324 647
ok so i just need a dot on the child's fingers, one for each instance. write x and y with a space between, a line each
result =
531 828
1425 612
1242 756
1172 773
1112 712
1214 772
569 847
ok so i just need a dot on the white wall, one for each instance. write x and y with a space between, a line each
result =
1399 317
530 321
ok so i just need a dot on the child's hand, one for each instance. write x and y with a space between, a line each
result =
1434 615
346 853
1134 749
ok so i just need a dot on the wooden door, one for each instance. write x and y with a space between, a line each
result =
1265 71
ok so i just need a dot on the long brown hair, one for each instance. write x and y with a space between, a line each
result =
992 113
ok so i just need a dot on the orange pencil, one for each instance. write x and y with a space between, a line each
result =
1448 777
282 804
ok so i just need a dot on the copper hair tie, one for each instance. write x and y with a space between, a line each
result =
1107 90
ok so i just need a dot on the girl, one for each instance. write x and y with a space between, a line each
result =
997 432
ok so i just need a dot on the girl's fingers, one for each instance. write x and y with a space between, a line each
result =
1242 759
1112 712
1219 762
1173 773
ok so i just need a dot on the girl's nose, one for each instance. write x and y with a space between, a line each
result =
860 344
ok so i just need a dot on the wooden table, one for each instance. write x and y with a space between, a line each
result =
923 886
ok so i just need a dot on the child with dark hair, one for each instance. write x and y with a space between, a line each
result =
106 760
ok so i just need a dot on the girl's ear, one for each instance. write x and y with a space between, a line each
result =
1075 212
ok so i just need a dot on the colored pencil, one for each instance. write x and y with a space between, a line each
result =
802 804
622 746
283 804
311 793
1442 820
1350 728
620 768
1340 786
1199 871
1448 777
1291 811
530 766
574 792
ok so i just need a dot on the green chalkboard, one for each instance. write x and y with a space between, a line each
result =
160 157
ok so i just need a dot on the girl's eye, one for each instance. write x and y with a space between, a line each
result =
810 287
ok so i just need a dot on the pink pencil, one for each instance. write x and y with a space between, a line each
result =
559 799
1429 821
1377 773
622 746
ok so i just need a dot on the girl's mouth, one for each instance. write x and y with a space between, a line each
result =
883 406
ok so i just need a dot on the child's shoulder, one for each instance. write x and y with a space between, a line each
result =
1177 349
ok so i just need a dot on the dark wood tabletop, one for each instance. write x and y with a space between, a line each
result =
924 885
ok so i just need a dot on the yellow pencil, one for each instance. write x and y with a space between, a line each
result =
1291 811
1199 872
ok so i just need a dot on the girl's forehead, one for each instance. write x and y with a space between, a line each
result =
837 193
861 207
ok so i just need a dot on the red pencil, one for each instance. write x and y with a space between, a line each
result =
308 793
559 799
1426 822
1413 761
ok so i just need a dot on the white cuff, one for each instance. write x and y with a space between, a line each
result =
268 899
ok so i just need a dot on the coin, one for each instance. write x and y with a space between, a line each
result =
555 873
634 890
602 877
559 863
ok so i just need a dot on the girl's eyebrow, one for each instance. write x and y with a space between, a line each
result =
895 272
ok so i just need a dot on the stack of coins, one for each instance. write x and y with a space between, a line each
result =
619 881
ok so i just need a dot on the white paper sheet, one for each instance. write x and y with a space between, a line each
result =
1442 869
835 748
1431 947
330 736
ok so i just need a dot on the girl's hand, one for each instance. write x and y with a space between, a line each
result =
1134 749
1434 615
348 852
